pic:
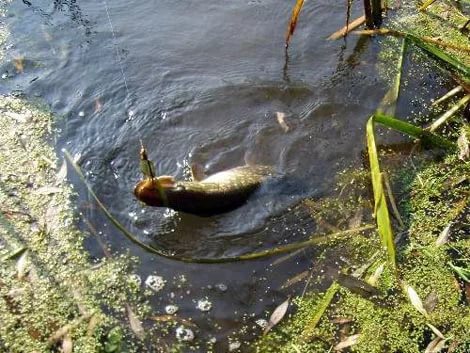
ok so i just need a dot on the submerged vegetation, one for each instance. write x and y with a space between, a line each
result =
52 294
419 300
427 293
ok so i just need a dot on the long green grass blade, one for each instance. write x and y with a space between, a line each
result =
316 240
380 209
438 53
413 131
463 272
14 254
430 45
426 4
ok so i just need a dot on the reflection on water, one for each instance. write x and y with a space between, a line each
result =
207 80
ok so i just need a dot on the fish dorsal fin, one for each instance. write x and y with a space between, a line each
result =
166 180
197 172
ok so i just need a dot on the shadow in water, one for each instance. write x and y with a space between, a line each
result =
285 69
69 8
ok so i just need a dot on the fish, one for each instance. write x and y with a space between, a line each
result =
204 196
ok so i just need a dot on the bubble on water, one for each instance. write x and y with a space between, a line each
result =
171 309
204 305
155 283
233 346
81 114
184 334
262 323
221 286
169 213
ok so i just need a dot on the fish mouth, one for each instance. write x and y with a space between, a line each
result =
146 192
138 188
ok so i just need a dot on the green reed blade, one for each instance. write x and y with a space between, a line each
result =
440 54
426 4
380 209
411 130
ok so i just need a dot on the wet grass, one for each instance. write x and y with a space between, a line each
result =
389 321
442 21
423 302
52 294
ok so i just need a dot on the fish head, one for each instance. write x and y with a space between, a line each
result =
148 192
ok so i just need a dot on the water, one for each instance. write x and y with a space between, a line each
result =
205 80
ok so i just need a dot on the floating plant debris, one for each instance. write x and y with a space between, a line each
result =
277 315
135 279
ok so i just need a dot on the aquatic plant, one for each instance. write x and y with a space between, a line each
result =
372 17
53 297
418 315
380 208
293 20
429 45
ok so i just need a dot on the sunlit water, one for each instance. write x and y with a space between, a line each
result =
200 81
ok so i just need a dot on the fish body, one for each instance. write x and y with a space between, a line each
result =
218 193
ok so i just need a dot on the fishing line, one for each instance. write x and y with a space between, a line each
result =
124 78
149 166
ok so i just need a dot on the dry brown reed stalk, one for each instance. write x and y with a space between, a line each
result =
377 12
348 14
448 114
348 28
448 95
293 20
